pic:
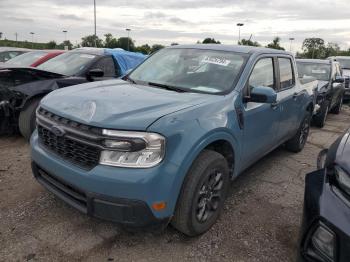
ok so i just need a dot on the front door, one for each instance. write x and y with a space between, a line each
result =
261 121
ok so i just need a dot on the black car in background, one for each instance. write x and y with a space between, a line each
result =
325 232
330 86
344 62
22 88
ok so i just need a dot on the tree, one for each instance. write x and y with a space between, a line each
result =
248 42
110 41
210 41
156 47
275 44
332 49
64 44
173 44
314 48
51 45
91 41
144 49
126 44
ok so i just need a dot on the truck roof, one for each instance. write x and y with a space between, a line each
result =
314 61
233 48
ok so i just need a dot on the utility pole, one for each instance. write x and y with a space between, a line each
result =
239 31
32 33
95 22
128 30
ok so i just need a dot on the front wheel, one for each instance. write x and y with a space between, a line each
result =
297 143
336 110
26 121
319 119
203 194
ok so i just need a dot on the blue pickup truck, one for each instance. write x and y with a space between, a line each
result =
162 144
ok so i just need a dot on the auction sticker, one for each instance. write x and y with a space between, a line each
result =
216 60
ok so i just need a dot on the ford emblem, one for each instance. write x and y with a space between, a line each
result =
58 131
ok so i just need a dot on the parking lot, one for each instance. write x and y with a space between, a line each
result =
260 221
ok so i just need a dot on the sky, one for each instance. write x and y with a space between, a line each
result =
180 21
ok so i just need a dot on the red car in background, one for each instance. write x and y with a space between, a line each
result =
34 58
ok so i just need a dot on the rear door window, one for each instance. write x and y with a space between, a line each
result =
106 64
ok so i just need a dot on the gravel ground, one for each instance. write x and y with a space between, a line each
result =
260 221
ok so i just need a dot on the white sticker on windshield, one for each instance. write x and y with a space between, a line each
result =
87 56
216 61
319 71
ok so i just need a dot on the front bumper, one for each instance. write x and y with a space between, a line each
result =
121 190
324 206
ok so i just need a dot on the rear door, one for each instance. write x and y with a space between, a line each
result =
261 121
289 98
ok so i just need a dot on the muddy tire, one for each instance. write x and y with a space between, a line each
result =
337 109
319 120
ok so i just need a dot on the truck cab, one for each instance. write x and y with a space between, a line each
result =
162 144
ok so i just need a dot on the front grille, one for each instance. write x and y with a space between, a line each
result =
76 146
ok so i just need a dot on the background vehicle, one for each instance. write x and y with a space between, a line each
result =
21 88
7 53
344 62
330 86
164 144
325 234
34 58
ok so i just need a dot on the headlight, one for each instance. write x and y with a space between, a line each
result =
343 179
323 244
132 149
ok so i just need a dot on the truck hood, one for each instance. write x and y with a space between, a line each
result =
117 104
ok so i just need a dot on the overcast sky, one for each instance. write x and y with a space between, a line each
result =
181 21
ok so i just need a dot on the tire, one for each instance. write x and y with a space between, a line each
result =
320 119
336 110
203 194
297 143
26 121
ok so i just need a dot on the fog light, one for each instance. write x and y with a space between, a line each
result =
323 241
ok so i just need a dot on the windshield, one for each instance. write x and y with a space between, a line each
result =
321 72
68 64
27 59
344 63
192 70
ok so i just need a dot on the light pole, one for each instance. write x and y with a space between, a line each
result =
65 35
32 33
0 35
239 31
291 41
128 30
95 22
16 34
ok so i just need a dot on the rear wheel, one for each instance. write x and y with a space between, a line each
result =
27 118
203 194
319 120
297 143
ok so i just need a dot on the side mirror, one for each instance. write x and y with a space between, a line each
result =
339 79
94 73
263 94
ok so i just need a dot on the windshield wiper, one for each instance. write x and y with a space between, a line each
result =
168 87
127 78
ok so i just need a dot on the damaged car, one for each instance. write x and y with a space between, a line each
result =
330 86
344 62
22 88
